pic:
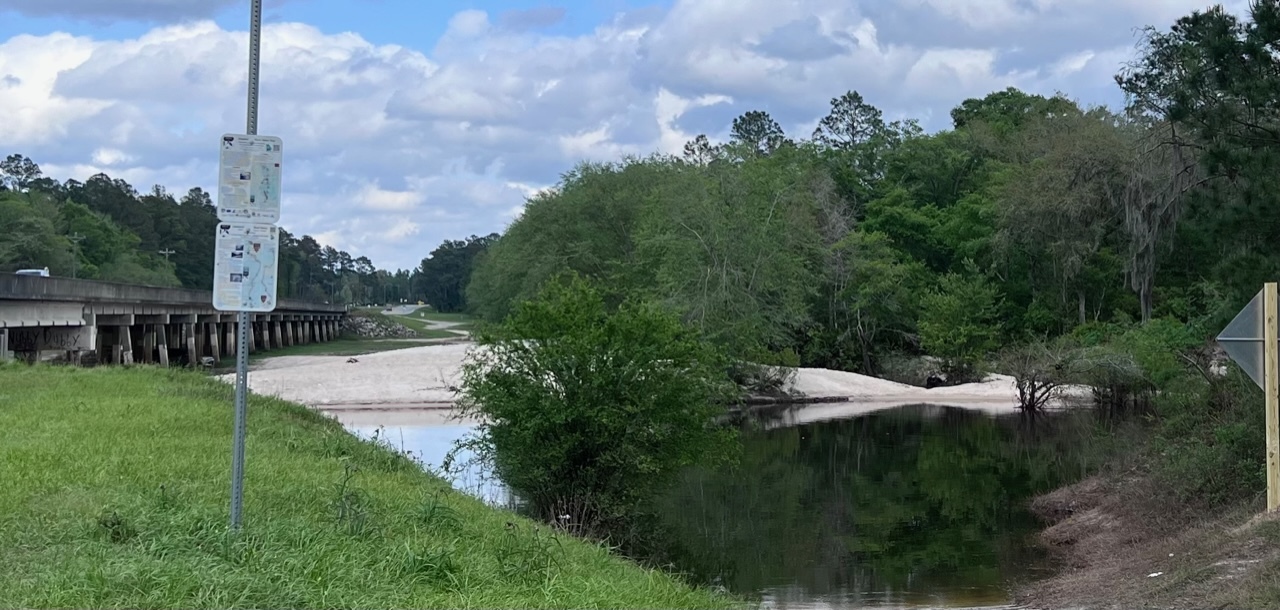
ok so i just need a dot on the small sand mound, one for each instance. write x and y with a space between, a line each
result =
826 382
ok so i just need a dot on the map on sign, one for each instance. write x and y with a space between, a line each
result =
245 266
249 178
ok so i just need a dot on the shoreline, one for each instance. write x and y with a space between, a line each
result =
426 378
1122 542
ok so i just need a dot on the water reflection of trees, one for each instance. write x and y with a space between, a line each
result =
919 499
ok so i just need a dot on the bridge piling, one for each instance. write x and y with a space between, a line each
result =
162 344
189 342
124 345
148 344
215 349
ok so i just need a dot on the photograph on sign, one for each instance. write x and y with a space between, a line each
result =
249 178
245 267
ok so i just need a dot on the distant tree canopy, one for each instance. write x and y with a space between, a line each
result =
445 273
104 229
1032 216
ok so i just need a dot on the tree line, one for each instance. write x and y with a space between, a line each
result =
1030 217
104 229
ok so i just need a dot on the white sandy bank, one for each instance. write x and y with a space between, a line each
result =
422 378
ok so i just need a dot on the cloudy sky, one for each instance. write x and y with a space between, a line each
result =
407 122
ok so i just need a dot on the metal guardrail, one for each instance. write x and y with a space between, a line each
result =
35 288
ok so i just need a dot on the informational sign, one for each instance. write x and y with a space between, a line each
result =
249 178
245 266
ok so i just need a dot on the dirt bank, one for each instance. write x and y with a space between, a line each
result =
1123 543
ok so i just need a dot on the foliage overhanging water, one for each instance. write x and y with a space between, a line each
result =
913 507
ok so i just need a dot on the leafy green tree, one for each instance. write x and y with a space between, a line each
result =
959 322
881 292
1009 110
757 132
589 411
30 238
445 273
18 173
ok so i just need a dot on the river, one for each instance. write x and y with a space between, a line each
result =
913 507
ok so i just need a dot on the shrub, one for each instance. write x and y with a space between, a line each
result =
588 411
1211 440
959 323
1040 369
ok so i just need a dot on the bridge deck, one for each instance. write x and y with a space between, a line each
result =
35 288
41 314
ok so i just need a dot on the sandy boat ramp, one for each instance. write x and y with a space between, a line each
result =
394 384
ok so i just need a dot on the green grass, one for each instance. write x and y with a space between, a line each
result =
422 319
423 328
425 314
345 346
115 492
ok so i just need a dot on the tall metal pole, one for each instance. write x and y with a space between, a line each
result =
242 317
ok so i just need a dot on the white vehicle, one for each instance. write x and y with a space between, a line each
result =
40 272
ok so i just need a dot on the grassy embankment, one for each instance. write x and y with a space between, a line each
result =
1173 520
116 489
349 345
423 319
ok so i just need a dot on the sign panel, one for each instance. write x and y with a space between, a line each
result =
245 266
249 178
1242 340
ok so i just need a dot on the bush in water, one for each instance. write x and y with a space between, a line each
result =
589 411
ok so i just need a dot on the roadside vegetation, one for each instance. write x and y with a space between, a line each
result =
116 491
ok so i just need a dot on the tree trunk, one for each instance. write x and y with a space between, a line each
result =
1144 297
1080 302
866 354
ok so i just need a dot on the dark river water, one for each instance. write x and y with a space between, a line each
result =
913 507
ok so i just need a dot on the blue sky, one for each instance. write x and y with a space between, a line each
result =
407 122
413 23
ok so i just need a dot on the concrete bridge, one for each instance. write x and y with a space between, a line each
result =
124 324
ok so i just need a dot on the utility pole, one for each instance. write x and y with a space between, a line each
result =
166 252
75 238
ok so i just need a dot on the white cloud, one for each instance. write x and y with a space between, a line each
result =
111 156
402 228
372 197
391 149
